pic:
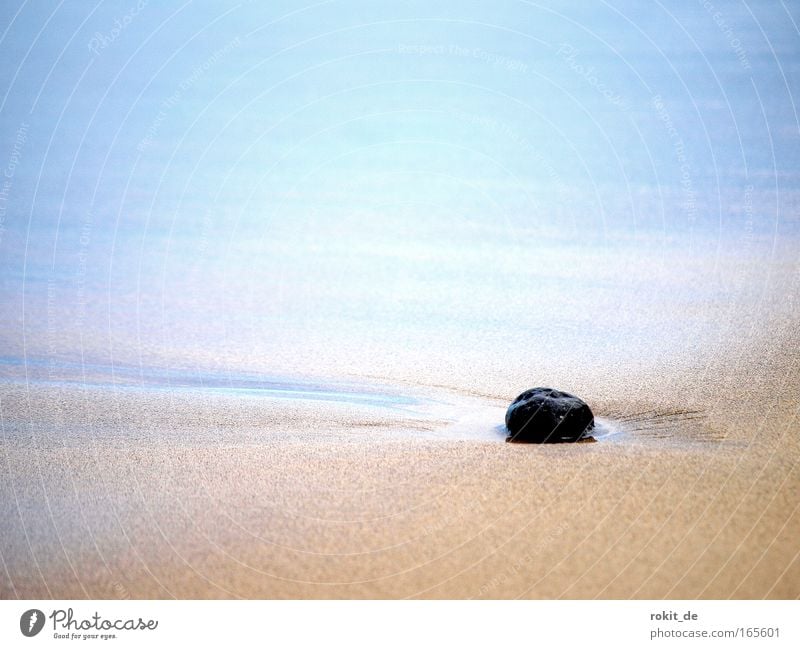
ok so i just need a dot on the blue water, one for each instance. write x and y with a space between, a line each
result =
174 380
380 189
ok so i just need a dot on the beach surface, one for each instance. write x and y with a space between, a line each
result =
271 273
196 485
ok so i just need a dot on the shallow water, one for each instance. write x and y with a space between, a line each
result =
122 377
413 412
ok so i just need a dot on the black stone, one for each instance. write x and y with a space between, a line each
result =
544 415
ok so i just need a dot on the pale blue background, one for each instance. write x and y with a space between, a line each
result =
361 175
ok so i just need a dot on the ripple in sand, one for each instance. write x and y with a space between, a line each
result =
678 424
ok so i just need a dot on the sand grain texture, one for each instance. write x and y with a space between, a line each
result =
190 494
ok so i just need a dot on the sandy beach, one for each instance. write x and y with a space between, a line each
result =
271 274
152 487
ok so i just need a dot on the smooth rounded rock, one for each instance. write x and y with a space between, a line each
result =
544 415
